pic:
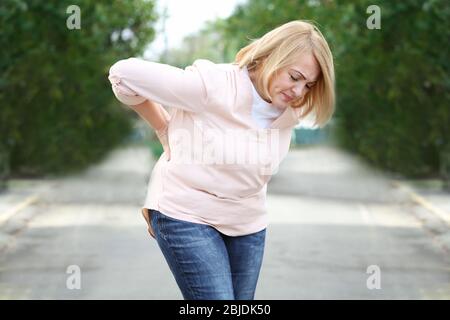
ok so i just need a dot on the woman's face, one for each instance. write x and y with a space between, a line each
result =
294 81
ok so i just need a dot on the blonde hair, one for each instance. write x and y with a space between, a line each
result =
280 48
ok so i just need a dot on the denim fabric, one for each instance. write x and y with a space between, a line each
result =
206 264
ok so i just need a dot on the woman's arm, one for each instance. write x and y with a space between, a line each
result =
158 118
135 80
153 113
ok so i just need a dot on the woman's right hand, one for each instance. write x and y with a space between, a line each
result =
164 140
157 117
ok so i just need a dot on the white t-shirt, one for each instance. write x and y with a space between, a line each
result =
263 113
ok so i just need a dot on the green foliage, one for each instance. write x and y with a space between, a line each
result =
392 84
394 87
58 113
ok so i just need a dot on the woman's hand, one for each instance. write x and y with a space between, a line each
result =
164 140
147 218
157 117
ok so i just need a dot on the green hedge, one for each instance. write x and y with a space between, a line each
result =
393 84
394 87
58 113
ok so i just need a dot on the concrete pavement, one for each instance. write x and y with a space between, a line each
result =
331 219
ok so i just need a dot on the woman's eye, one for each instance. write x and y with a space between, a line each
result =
294 78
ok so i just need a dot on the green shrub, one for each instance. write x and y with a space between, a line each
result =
393 84
58 113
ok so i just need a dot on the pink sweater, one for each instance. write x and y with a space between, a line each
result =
221 160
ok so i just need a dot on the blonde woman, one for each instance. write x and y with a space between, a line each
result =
228 130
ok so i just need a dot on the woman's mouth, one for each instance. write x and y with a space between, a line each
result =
286 98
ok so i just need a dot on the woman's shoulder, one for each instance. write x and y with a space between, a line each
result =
220 77
220 68
226 84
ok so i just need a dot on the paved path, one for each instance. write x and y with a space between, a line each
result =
331 218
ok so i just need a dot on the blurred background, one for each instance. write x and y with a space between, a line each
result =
370 191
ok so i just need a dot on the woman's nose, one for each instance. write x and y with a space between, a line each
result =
298 90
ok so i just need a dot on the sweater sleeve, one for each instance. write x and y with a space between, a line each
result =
135 80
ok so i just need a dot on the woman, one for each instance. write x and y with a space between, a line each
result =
206 201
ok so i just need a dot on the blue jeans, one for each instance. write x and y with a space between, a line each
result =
206 264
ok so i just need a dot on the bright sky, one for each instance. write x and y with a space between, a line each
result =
186 17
